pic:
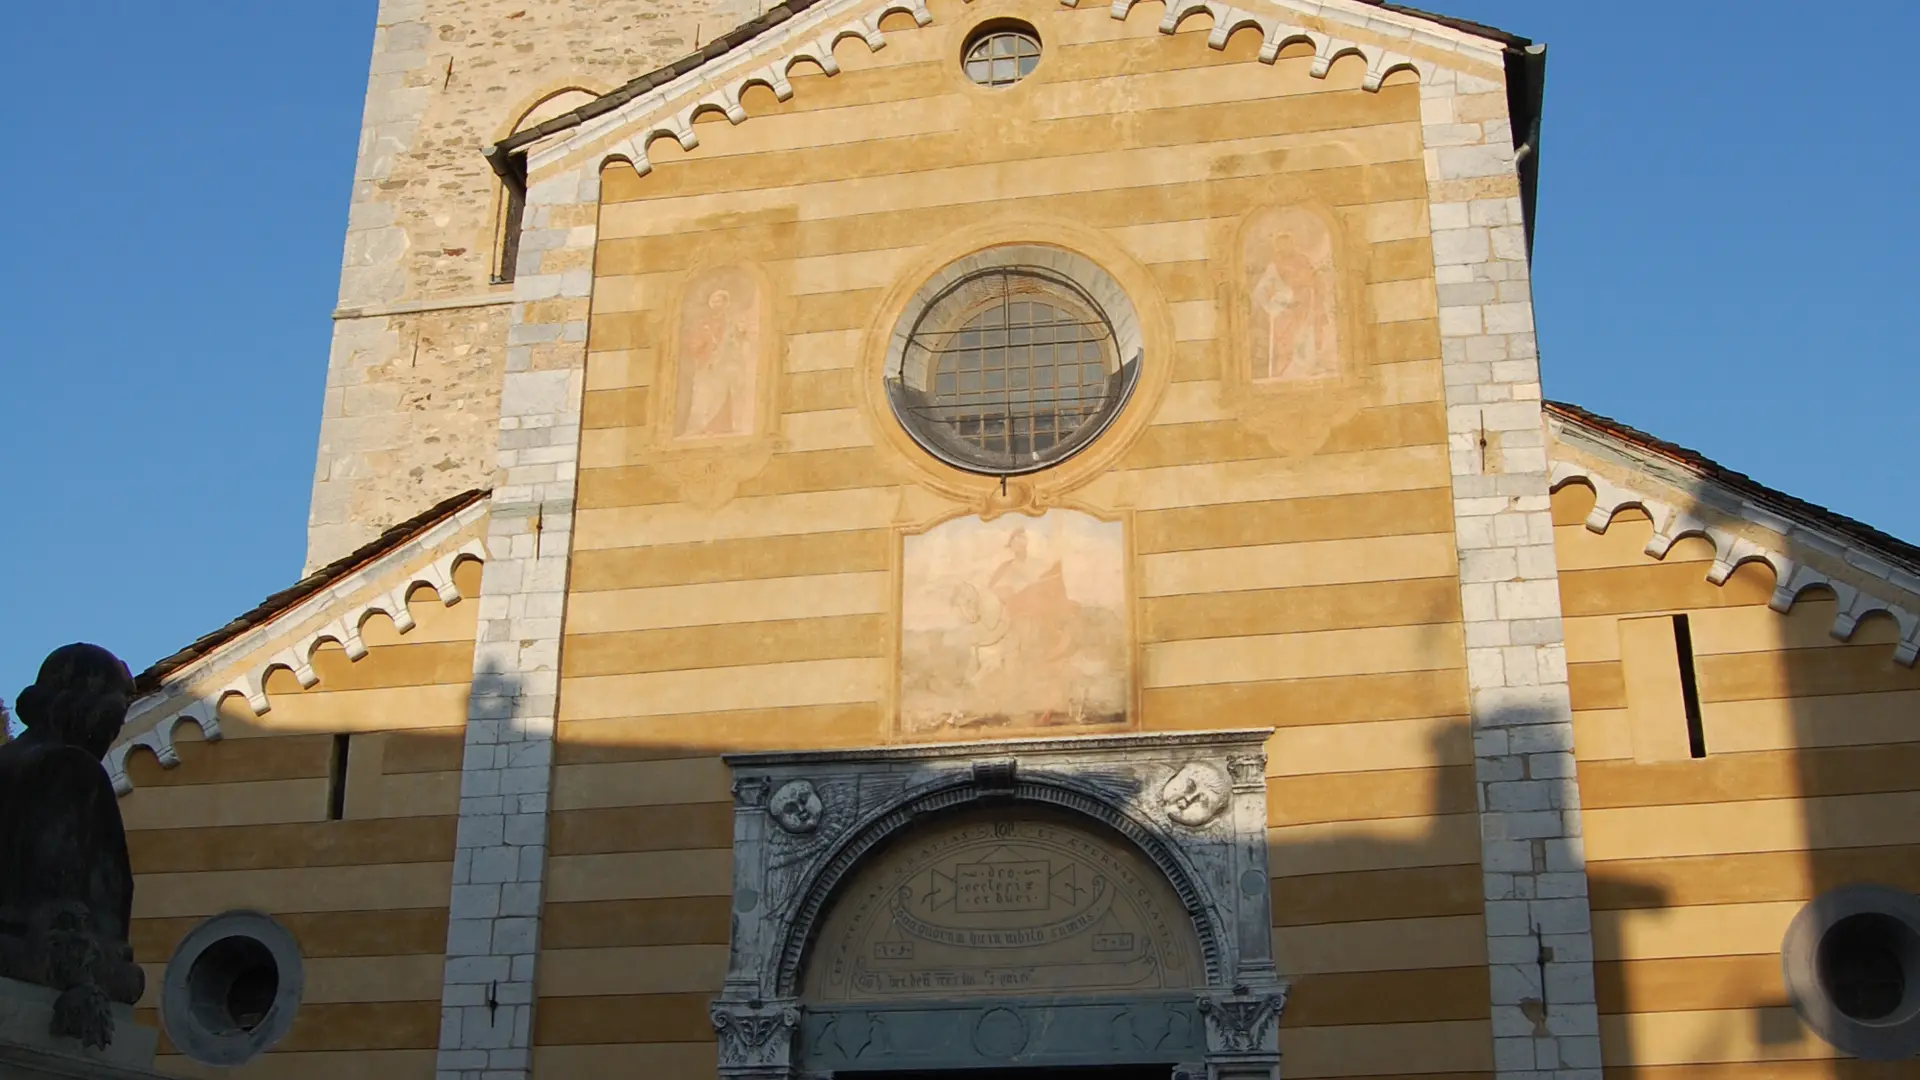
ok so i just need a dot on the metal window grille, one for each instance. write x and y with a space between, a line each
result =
1002 58
1025 374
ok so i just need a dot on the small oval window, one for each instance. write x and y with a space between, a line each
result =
1002 55
232 988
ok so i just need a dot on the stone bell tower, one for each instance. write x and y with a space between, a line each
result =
420 330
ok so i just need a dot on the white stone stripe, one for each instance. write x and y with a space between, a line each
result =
1539 937
500 847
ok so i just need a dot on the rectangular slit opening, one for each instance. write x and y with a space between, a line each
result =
1689 686
337 778
512 212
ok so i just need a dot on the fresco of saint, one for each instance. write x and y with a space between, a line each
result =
1017 623
718 366
1291 290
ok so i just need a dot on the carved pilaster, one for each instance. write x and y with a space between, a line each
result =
745 973
756 1038
1252 911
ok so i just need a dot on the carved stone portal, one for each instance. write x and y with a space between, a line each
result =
1058 902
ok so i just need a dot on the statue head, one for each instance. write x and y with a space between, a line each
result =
79 698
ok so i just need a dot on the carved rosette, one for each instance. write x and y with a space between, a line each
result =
1246 1021
755 1037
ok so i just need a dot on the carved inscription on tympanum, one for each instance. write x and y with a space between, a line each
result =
997 905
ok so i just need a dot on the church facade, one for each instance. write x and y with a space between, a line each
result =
1002 539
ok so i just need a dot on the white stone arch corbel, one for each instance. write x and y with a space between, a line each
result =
1276 34
203 709
785 874
1731 550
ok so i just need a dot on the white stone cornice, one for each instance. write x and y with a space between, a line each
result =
333 614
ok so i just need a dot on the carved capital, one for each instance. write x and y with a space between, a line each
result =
1245 1021
1249 771
756 1037
751 791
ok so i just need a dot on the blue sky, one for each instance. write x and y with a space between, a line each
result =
1728 241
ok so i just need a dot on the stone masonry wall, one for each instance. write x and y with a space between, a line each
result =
413 378
1539 934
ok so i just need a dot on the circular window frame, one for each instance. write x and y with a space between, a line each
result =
1897 1037
1082 283
225 1049
995 27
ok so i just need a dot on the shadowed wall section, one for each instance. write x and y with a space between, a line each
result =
258 820
1699 864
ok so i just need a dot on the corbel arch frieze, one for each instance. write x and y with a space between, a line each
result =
1191 805
1277 34
202 708
1731 549
669 111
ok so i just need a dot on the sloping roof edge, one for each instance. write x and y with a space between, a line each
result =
1878 543
151 679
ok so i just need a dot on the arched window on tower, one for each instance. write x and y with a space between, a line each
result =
509 160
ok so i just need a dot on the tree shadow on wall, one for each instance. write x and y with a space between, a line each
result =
1381 926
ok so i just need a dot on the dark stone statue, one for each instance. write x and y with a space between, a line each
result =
66 887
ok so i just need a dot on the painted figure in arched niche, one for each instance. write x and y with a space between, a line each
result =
1292 291
1014 623
718 367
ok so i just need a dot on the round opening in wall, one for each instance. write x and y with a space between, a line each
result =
1864 964
232 988
232 985
1001 53
1852 964
1013 359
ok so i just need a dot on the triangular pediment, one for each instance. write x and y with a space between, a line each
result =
803 37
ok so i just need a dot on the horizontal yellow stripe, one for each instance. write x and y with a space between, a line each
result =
1364 747
318 1065
713 603
657 969
1791 723
1387 945
1304 656
1383 844
1388 1049
768 515
668 1061
326 888
261 802
1647 832
1732 1035
1281 566
641 783
760 686
1699 930
573 878
1029 178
